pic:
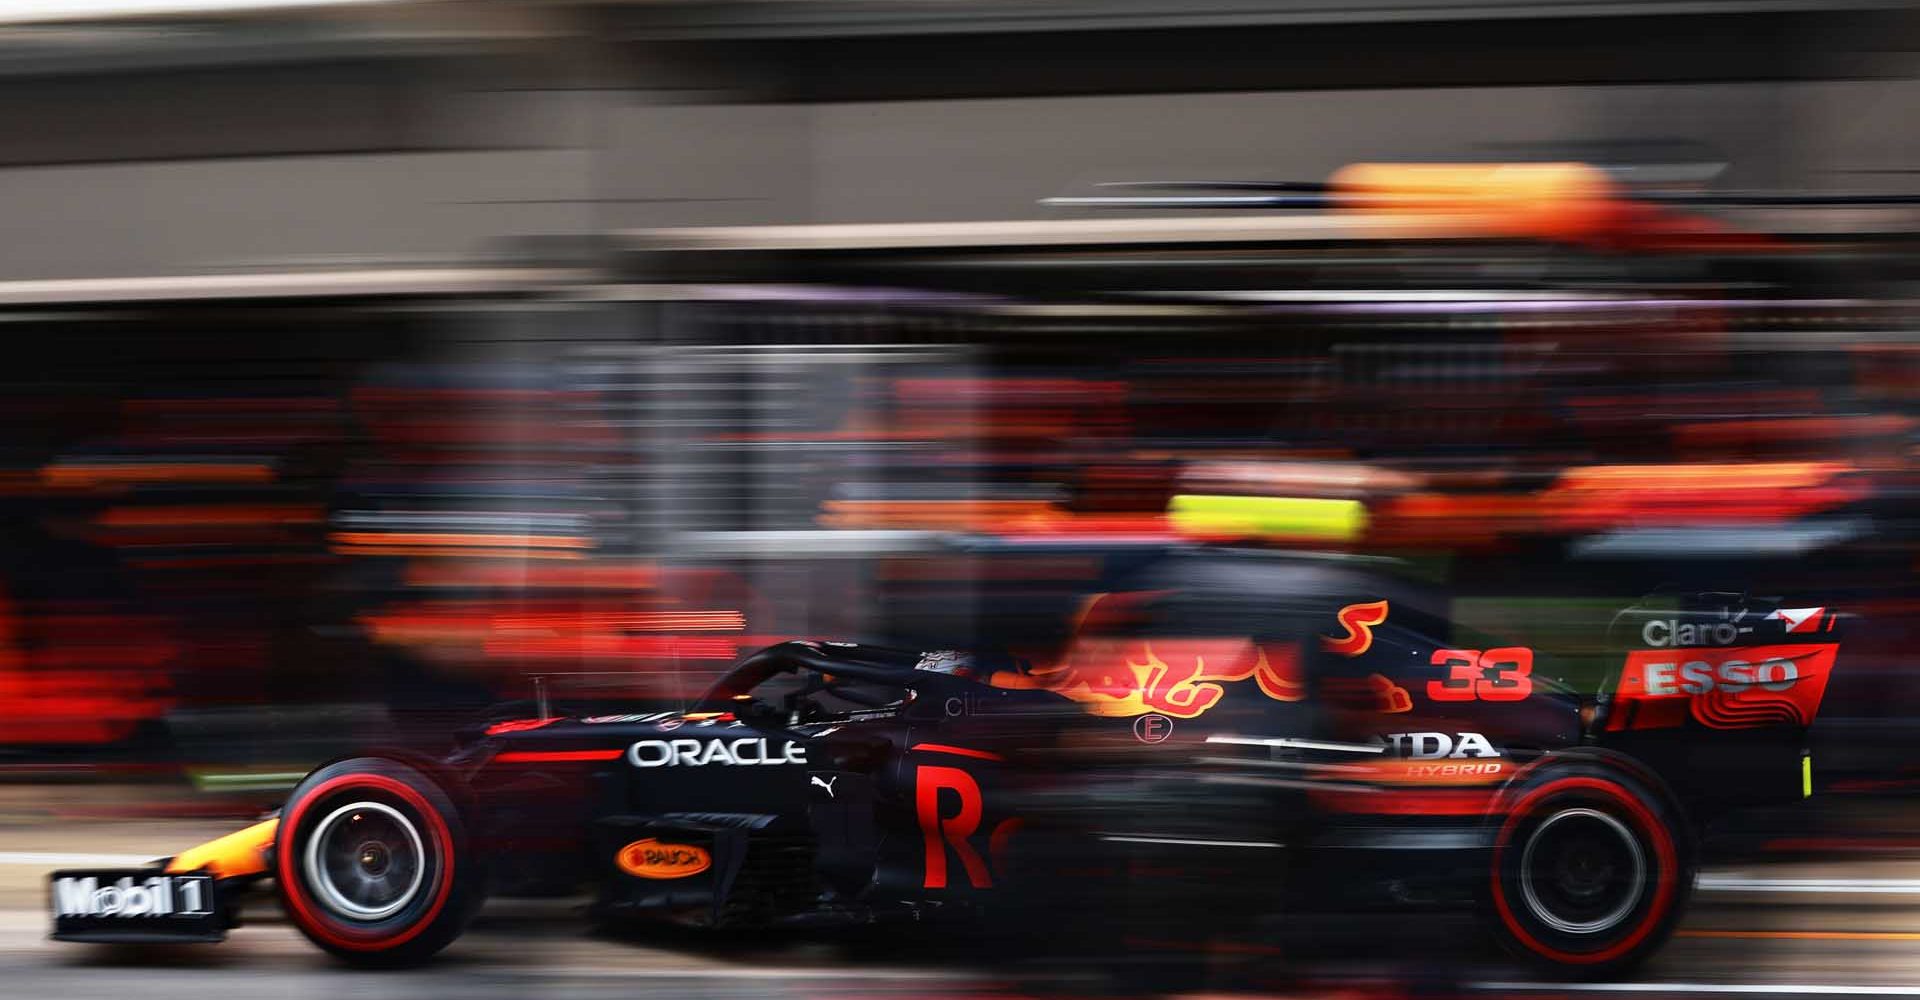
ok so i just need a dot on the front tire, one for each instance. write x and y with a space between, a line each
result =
1588 876
374 864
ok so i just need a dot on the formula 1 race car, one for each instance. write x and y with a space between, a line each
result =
1268 721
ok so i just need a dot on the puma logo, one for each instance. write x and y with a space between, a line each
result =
826 783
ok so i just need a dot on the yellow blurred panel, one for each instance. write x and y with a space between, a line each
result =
1283 517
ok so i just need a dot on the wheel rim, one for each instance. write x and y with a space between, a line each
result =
1582 871
365 861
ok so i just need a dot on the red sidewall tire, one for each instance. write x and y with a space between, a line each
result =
1626 804
434 913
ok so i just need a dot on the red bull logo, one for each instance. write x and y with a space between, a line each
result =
1183 678
1177 678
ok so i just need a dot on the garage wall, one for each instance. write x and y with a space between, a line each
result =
463 161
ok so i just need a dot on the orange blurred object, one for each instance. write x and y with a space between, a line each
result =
1552 201
242 852
89 474
1609 496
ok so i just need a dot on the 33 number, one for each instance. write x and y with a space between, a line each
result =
1503 674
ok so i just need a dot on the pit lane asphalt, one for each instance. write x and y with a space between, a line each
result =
1813 929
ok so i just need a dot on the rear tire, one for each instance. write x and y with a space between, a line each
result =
1588 876
373 863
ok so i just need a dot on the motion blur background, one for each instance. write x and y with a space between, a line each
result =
365 363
